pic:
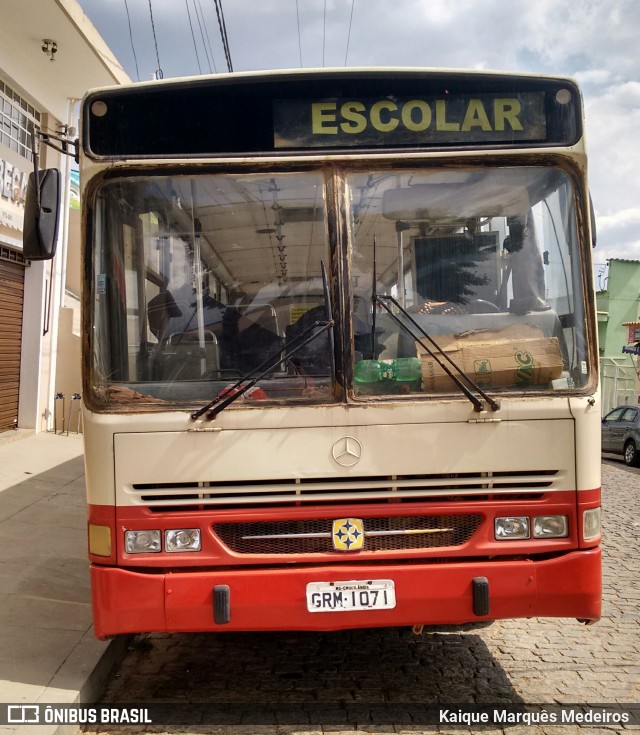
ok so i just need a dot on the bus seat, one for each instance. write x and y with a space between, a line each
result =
314 358
183 358
258 336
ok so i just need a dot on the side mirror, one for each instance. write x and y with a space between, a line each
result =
41 215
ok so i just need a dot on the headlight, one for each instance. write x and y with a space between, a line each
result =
591 524
511 527
142 542
550 527
182 539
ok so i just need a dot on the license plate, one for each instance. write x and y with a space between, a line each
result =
375 594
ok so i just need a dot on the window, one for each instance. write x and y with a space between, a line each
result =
15 115
614 415
201 281
485 261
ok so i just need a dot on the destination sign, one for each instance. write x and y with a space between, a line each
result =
422 121
291 113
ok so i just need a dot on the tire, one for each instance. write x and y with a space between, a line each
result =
631 457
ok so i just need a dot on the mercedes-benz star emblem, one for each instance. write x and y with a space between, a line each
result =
347 451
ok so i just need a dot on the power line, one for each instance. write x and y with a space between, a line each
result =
299 38
324 29
133 48
223 34
196 3
346 53
206 30
193 36
158 72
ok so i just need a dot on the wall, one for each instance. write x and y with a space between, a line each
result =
49 360
618 304
68 375
69 366
622 302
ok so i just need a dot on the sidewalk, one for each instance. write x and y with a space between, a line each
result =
48 653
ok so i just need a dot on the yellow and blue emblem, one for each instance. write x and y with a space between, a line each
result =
348 534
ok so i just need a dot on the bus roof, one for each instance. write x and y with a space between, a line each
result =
319 72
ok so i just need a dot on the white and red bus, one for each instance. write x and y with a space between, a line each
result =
340 362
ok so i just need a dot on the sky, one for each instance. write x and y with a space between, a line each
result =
597 42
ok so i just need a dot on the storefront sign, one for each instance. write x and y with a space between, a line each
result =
13 191
633 332
11 216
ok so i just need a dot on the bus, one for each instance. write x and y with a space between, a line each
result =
339 352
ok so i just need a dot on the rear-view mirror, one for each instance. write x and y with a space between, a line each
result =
41 215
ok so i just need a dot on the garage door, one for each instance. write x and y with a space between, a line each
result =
11 301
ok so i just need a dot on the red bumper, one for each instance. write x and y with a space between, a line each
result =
275 599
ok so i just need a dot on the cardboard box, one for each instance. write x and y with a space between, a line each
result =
518 356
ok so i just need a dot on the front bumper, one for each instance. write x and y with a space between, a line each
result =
275 598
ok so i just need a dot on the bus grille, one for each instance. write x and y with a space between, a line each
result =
315 537
478 486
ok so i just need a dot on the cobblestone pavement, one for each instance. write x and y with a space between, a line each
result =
379 676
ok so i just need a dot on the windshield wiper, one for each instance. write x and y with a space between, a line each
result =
233 392
288 350
477 403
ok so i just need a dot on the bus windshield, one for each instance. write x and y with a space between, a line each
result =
483 261
200 279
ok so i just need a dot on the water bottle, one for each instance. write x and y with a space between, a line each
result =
372 376
407 370
402 375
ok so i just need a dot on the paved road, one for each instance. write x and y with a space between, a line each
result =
542 661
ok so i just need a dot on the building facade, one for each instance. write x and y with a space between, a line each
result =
618 307
50 55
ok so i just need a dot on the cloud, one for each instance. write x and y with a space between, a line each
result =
613 120
546 36
627 219
618 235
600 31
596 77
